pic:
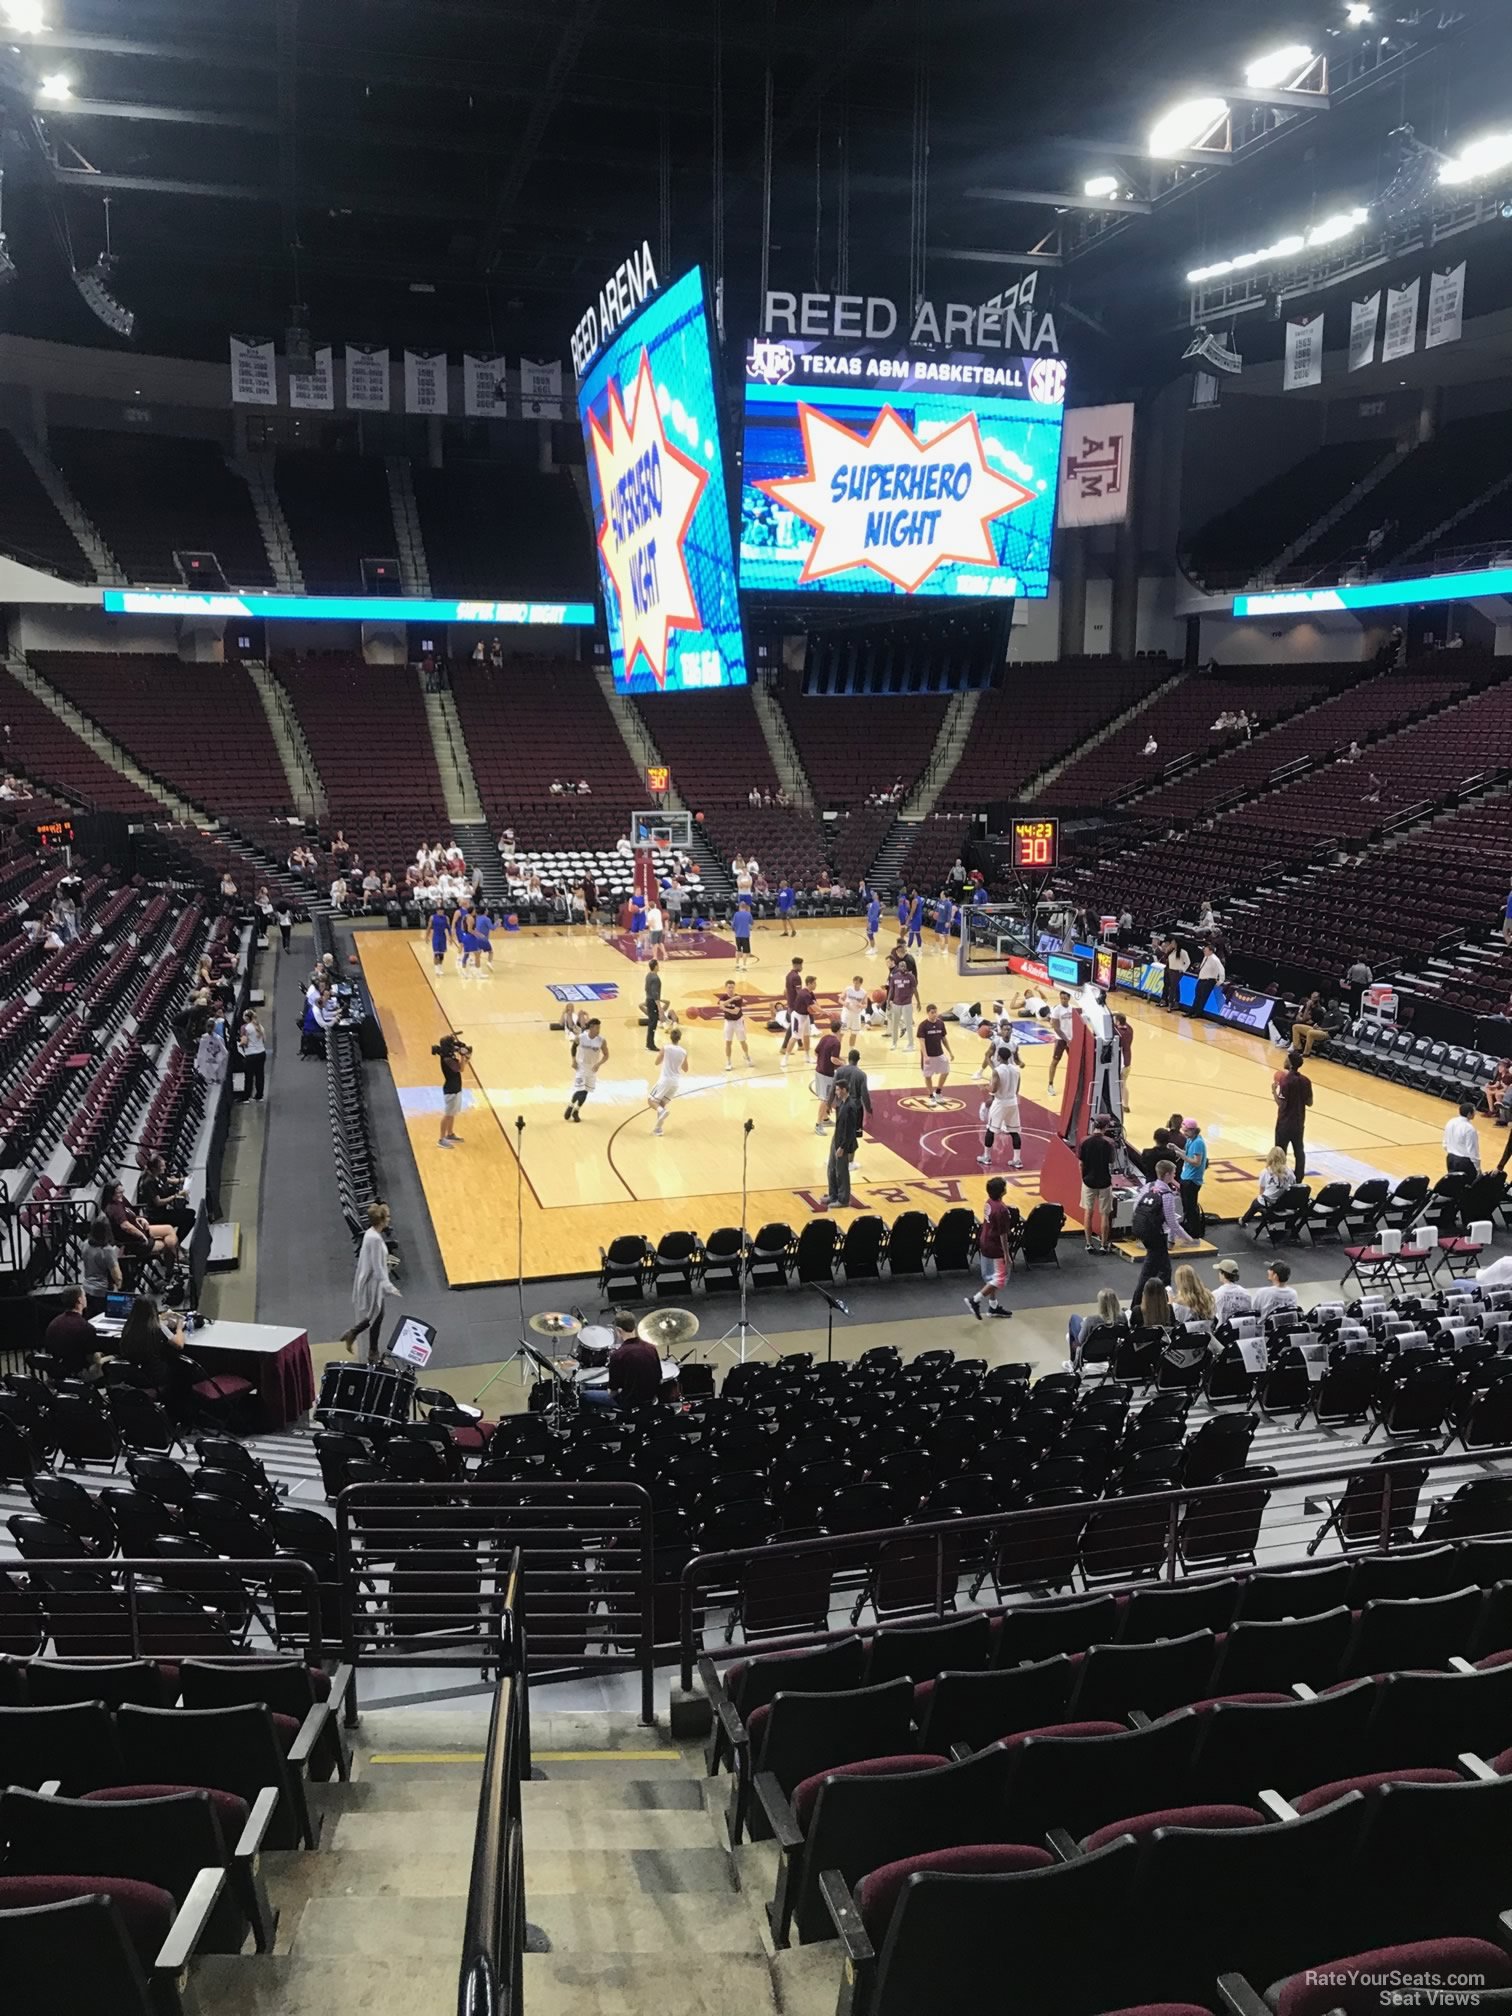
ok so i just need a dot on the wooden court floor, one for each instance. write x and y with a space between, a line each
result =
575 1187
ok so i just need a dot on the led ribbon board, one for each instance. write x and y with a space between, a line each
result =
661 512
1467 587
346 608
870 472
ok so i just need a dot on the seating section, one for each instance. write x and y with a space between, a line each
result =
1464 458
495 530
1233 547
31 527
151 497
1181 724
338 513
47 751
853 746
1039 714
368 733
201 728
540 722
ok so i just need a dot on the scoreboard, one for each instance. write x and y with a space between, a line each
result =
1036 845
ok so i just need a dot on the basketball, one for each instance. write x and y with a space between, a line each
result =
984 1028
879 996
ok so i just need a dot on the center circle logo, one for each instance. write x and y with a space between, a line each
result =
916 1102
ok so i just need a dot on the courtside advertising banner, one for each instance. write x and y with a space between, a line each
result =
660 508
874 471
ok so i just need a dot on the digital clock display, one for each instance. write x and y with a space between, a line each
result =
55 833
1036 843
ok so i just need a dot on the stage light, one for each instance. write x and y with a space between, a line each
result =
23 17
1100 185
1329 232
56 88
1281 68
1186 125
1357 14
1486 156
97 295
1340 225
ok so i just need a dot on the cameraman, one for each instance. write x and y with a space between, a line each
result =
454 1053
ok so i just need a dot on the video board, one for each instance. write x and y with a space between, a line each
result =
877 472
661 511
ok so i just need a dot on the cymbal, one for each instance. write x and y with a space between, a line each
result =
667 1327
555 1323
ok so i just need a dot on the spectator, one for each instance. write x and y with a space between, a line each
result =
1462 1143
1230 1300
1096 1158
1192 1302
1108 1314
161 1196
133 1234
1357 979
372 1283
70 1340
1279 1295
152 1341
844 1140
1498 1094
1150 1306
100 1263
1194 1161
1156 1225
253 1046
1177 962
1275 1177
1308 1028
1210 974
1293 1094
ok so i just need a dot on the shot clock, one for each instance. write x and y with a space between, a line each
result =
1036 845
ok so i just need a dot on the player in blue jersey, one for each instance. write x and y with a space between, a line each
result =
482 926
740 924
915 919
440 933
944 919
873 924
902 909
787 903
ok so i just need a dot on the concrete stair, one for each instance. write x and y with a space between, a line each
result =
289 740
634 733
477 842
256 471
1331 517
104 746
950 745
459 786
414 568
107 568
781 747
899 838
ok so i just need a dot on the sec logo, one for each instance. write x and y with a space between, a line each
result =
918 1102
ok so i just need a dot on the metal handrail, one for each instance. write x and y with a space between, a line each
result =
490 1980
713 1571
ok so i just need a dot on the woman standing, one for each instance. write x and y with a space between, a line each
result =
372 1283
99 1265
285 922
253 1046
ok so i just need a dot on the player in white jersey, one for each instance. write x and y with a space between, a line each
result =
672 1063
1001 1111
590 1054
853 1004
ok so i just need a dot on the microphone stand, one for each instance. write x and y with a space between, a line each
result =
522 1354
832 1302
743 1328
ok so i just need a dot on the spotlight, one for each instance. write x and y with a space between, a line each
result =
1506 209
57 88
1493 151
1357 14
94 288
1280 68
1186 125
1100 185
23 17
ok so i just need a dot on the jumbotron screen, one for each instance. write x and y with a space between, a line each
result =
661 512
876 472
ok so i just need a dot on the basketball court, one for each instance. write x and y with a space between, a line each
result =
585 1184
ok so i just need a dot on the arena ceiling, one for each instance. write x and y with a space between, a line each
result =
466 172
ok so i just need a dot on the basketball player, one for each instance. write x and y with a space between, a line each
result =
944 918
483 925
934 1052
740 924
853 1007
801 1020
916 919
1003 1106
792 985
589 1054
1061 1022
440 935
732 1008
902 987
826 1062
873 922
787 903
671 1064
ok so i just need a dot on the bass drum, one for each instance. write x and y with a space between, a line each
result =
367 1396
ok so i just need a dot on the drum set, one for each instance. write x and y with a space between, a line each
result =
581 1365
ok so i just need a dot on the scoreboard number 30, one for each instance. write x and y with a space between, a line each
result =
1036 843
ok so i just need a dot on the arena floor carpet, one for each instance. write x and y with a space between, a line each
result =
584 1184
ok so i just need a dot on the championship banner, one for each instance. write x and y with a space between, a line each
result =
314 391
1401 322
1097 465
425 389
1364 318
540 390
485 395
1446 307
254 382
1304 355
367 377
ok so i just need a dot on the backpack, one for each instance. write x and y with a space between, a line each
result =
1149 1218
